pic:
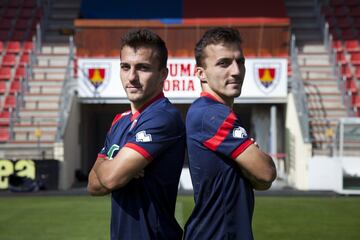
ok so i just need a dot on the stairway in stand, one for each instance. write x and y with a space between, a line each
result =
325 100
35 130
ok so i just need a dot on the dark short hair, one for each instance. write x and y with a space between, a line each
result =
216 35
137 38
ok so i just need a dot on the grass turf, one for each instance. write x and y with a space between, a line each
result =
84 217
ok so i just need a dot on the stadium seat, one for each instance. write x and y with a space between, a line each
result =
18 35
340 58
9 60
357 72
349 34
352 46
10 13
5 24
351 86
341 11
20 72
15 3
10 102
327 11
355 58
13 47
4 134
29 4
5 73
351 3
22 24
15 86
355 12
24 59
28 46
4 118
26 13
343 22
337 45
336 3
4 35
3 88
346 71
1 46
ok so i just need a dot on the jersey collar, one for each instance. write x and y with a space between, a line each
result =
212 97
137 113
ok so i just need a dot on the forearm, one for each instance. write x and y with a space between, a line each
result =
95 187
256 183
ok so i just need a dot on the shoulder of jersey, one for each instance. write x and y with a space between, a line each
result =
120 116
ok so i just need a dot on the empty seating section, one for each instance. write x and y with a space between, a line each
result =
18 19
343 17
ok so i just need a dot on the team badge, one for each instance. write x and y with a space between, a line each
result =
142 136
239 132
267 76
96 76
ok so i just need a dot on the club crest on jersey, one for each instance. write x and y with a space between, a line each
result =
143 137
267 76
239 132
113 151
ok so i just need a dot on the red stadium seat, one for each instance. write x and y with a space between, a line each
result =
349 34
28 46
24 59
26 13
10 13
5 73
22 24
341 11
336 3
343 22
340 58
327 11
18 35
3 87
351 86
29 4
352 46
346 71
355 12
4 118
10 102
20 72
4 35
15 86
4 135
337 45
355 58
6 24
9 60
13 47
1 46
351 3
15 3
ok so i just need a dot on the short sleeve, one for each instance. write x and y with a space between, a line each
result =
222 132
155 133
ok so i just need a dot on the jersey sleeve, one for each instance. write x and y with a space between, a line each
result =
222 132
155 133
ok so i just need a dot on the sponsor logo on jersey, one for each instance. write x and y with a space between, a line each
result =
267 76
113 151
143 137
239 132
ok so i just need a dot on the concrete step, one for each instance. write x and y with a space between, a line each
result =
326 104
326 89
295 4
321 81
328 114
41 105
45 83
49 75
313 59
310 74
58 38
39 120
30 128
58 25
56 49
45 89
30 136
42 97
301 12
63 14
29 150
310 48
30 113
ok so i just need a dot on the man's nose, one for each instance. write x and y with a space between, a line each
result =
235 68
132 75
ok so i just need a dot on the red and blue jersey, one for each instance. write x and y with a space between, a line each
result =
144 208
224 198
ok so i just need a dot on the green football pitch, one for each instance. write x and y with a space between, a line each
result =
87 218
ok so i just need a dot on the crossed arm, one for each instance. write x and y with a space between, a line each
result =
108 175
257 167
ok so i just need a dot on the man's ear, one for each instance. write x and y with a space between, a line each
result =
200 73
163 74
